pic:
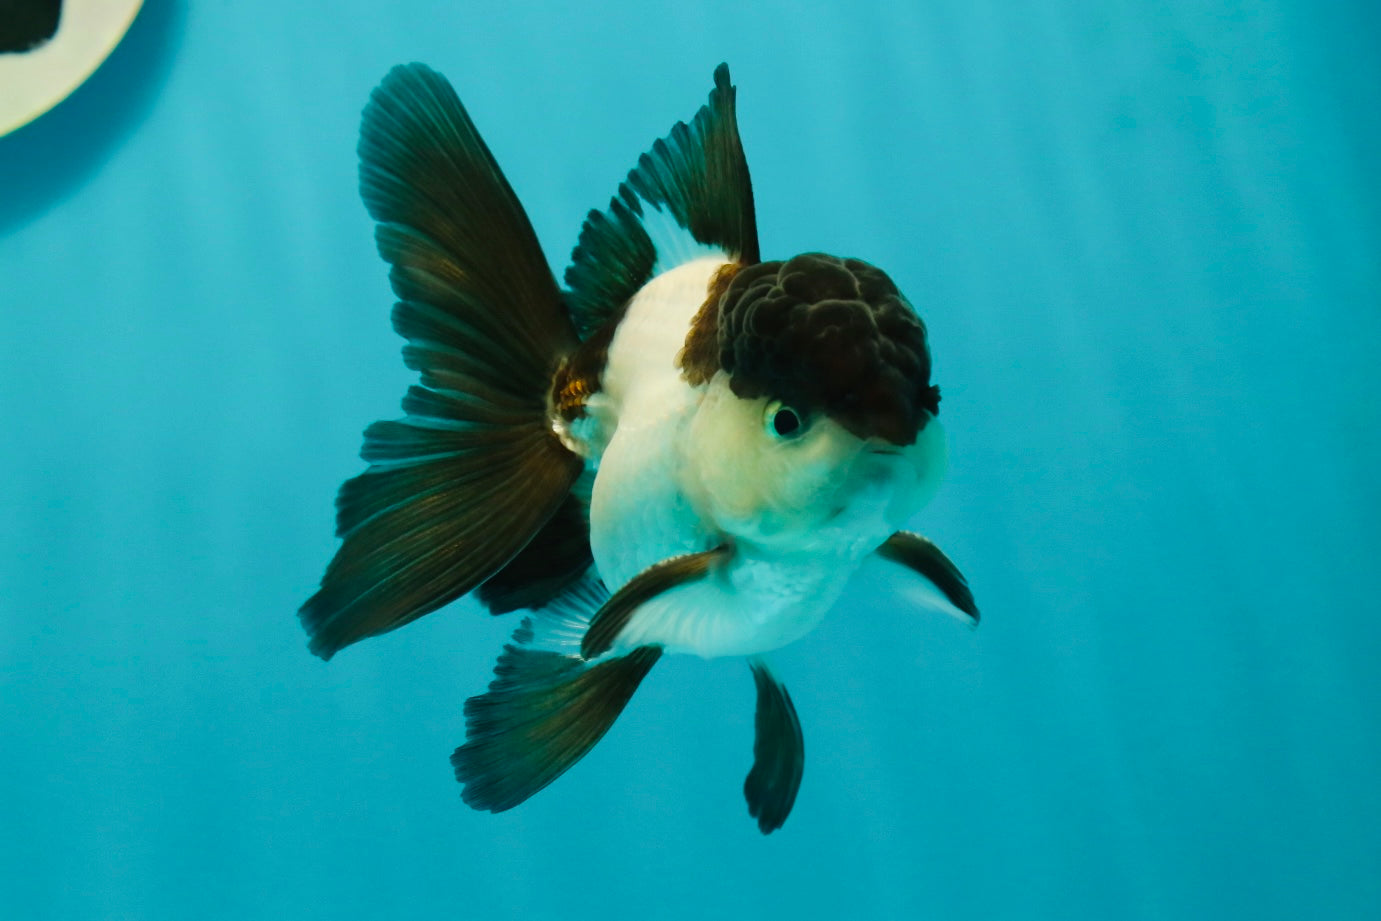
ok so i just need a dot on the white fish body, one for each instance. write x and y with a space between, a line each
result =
651 445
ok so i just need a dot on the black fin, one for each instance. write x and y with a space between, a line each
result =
459 241
779 753
610 619
613 258
542 713
698 174
923 557
460 486
552 562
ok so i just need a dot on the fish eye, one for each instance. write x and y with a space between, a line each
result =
782 421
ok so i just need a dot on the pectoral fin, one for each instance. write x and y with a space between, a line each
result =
610 619
779 754
921 556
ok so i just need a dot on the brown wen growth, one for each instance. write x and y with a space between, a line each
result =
699 358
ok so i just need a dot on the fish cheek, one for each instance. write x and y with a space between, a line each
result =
725 459
752 485
807 474
805 480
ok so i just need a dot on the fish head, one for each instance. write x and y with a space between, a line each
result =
818 426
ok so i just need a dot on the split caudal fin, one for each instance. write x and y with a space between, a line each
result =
460 485
546 707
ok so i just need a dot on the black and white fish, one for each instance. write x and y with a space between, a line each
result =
686 449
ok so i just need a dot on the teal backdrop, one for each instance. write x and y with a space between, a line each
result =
1146 238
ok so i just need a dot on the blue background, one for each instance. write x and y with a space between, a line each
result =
1145 237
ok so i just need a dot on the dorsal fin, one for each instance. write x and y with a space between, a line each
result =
695 181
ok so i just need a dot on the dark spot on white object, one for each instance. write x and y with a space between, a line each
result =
27 24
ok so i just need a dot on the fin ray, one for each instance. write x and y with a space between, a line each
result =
428 548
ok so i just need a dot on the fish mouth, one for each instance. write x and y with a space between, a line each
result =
886 452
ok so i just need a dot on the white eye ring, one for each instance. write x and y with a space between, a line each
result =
783 422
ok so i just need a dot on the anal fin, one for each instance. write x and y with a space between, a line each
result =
778 753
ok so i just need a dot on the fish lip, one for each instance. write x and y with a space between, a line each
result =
887 452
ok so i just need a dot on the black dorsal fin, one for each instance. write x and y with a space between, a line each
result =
697 178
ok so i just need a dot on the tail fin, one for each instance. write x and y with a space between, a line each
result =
456 489
546 707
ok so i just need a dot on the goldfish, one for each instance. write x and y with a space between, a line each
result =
683 449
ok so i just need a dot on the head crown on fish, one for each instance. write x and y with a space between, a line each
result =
821 334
